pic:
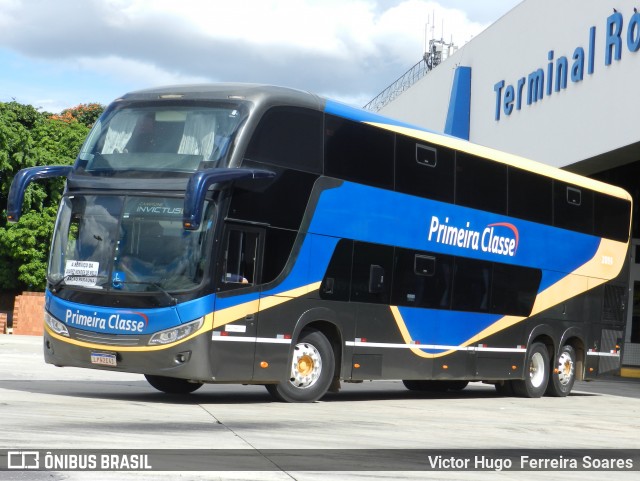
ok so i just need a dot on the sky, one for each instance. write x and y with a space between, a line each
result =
55 54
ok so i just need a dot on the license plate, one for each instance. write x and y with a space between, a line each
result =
103 359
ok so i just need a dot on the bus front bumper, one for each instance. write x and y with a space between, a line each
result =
185 360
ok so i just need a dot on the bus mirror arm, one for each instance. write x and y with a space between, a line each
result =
200 182
22 180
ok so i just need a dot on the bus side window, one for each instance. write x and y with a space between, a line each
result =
336 284
422 279
572 208
481 184
358 152
472 285
372 268
240 262
424 170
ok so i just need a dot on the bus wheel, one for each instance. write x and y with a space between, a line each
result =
564 374
504 388
536 377
172 385
412 385
311 372
456 385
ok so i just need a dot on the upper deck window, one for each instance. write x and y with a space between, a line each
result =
161 136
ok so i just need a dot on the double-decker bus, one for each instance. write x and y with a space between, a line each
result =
261 235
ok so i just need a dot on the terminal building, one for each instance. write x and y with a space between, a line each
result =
556 82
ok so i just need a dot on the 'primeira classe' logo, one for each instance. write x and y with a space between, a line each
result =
499 238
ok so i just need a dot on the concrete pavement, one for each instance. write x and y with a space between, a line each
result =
49 408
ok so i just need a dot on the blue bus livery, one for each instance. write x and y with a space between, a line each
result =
261 235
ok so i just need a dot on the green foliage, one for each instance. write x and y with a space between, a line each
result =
26 244
29 138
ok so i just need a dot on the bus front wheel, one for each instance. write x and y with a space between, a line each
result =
311 371
564 374
172 385
536 375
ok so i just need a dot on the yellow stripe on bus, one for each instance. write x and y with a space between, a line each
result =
211 320
589 276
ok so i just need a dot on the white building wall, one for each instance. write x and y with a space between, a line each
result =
588 118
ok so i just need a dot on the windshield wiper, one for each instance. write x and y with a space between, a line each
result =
172 300
57 285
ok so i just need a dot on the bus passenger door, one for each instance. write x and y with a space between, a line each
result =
238 276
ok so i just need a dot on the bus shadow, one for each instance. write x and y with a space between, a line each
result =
140 391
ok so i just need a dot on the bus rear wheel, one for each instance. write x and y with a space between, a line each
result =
536 376
564 374
172 385
311 372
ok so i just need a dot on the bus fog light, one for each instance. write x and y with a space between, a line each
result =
55 325
183 357
176 333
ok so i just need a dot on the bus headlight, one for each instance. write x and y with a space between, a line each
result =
55 325
176 333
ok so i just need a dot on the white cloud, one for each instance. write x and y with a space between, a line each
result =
136 72
350 48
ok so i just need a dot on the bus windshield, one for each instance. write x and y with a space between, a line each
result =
166 136
128 244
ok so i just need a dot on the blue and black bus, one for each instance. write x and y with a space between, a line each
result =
260 235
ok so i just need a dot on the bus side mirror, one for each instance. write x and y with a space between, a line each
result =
22 180
200 182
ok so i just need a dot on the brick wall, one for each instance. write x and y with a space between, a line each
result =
28 314
3 323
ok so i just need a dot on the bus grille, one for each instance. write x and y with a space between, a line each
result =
109 340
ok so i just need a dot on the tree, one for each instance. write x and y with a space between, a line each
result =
86 114
28 138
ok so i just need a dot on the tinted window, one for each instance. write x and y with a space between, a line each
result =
372 272
290 137
530 196
281 203
278 246
424 169
472 285
572 207
358 152
336 284
481 184
422 279
611 217
514 289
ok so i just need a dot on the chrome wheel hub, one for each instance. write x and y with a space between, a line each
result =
536 370
306 366
566 369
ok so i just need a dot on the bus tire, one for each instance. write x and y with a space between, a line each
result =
172 385
536 377
504 388
412 385
311 370
456 386
564 373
